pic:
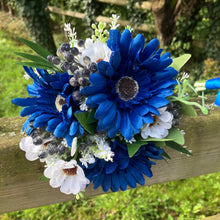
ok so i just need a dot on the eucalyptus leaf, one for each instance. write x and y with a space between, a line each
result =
36 47
177 147
179 62
176 136
82 118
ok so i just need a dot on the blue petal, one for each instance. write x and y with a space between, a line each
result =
125 41
42 118
167 73
136 120
61 129
106 183
122 181
105 68
28 110
126 128
148 119
130 179
158 102
52 124
73 128
115 59
213 83
136 46
143 168
123 163
98 181
115 183
96 99
149 50
137 175
112 131
114 40
110 167
24 102
103 109
217 100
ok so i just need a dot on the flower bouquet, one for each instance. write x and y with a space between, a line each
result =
103 109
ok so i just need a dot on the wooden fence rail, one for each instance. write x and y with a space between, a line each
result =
124 23
21 187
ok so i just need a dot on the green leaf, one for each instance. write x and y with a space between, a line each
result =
36 65
179 62
37 48
187 110
91 119
44 178
160 144
156 139
82 118
165 154
34 58
177 147
176 136
134 147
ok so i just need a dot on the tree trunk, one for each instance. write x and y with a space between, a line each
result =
2 5
37 21
166 13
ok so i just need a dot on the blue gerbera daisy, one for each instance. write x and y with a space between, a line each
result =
128 90
123 171
51 104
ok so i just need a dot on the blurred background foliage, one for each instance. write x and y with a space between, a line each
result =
194 29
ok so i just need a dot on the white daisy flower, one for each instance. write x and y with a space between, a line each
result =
96 51
159 128
33 151
69 176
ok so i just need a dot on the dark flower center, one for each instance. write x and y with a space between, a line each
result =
60 101
70 171
127 88
155 121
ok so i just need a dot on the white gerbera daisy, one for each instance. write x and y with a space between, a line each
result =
96 51
159 128
69 176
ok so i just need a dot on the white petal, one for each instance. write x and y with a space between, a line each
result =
166 117
26 143
31 156
57 181
73 147
66 185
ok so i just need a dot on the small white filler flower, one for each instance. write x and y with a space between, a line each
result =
159 128
69 176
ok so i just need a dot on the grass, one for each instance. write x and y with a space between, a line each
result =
188 199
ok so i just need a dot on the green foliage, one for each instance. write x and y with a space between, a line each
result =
83 118
12 83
